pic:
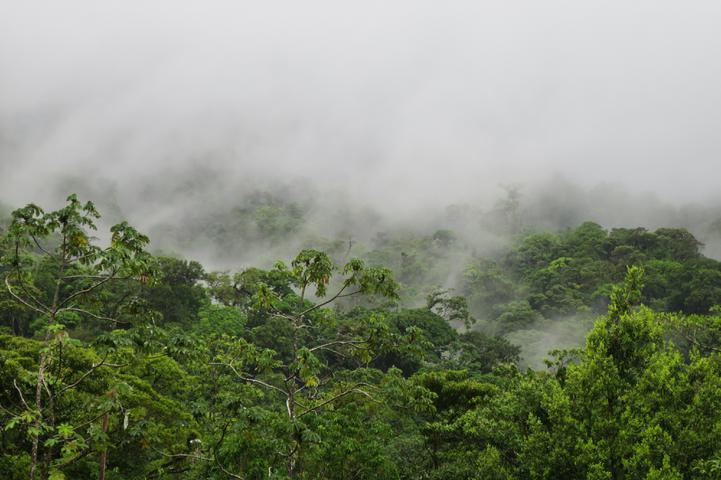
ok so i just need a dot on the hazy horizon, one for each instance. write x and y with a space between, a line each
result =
401 106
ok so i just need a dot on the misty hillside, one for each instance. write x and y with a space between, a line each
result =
360 241
410 315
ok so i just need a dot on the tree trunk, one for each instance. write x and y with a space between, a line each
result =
293 452
48 451
38 420
104 453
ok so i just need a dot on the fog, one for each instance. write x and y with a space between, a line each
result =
366 117
398 106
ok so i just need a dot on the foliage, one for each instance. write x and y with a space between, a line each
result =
554 276
119 365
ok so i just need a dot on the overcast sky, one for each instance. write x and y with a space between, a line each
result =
396 101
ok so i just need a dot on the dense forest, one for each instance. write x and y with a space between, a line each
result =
332 240
405 356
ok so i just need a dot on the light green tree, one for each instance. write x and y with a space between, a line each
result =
75 269
297 373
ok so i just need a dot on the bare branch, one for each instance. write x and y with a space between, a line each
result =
97 277
292 452
89 289
21 300
21 395
355 388
279 314
250 379
349 294
82 257
85 312
322 304
225 471
40 247
325 346
10 412
26 291
94 419
83 376
24 288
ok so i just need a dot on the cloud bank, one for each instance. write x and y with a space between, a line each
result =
396 104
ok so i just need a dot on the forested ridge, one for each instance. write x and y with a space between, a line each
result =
403 356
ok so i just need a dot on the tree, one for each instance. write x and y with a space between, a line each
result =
175 294
641 408
453 309
296 372
75 271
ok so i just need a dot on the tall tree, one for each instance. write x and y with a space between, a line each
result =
297 372
75 269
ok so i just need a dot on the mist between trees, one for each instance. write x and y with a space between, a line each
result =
470 249
401 354
381 240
